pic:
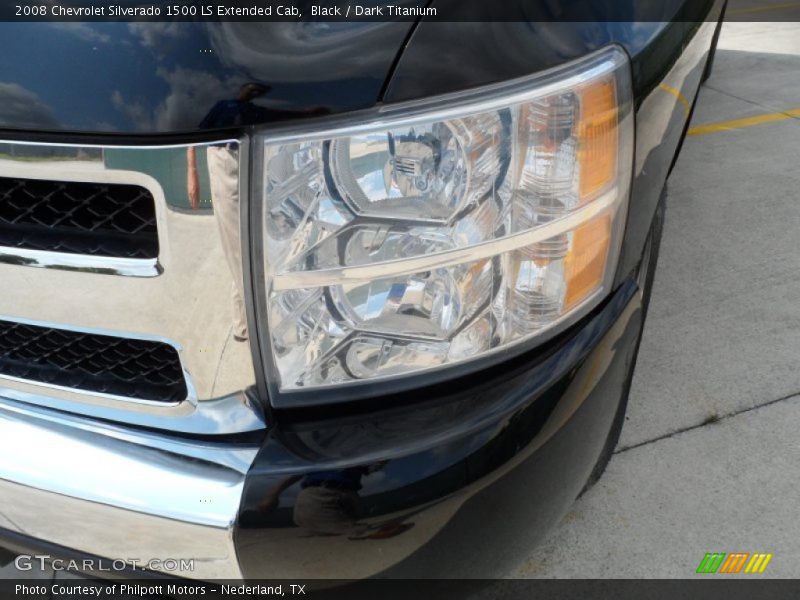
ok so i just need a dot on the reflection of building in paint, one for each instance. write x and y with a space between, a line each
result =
168 168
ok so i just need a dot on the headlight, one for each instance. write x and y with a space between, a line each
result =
444 231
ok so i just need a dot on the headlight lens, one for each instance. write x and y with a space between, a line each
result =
445 231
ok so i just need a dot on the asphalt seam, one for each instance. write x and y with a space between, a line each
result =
713 420
772 109
773 115
732 95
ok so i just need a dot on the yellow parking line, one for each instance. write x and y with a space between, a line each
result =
687 108
746 122
757 9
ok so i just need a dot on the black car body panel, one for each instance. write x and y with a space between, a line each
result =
528 439
161 78
430 474
522 437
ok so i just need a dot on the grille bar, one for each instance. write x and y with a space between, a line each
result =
94 219
129 368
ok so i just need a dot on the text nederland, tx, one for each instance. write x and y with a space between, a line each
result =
125 589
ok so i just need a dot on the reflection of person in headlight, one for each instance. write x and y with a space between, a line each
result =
223 173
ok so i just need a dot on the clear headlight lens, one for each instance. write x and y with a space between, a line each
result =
444 231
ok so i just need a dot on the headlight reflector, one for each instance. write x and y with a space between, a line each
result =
444 231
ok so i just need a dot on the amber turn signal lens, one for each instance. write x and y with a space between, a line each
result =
598 138
585 264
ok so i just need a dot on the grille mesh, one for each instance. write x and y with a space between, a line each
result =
96 219
137 369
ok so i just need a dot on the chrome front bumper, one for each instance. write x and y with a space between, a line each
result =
123 495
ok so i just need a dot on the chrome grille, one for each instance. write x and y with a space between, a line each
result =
130 368
95 219
140 341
